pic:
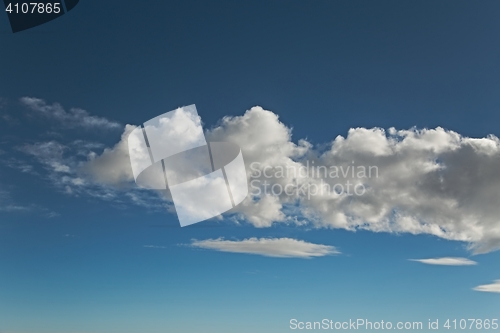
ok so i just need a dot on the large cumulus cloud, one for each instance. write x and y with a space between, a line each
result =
424 181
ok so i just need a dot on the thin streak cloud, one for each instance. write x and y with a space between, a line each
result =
489 288
268 247
73 118
447 261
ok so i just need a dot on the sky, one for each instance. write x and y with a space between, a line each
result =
411 88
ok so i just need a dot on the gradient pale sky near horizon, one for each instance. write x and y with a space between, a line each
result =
75 263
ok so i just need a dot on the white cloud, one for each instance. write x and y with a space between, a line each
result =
269 247
489 288
14 208
50 154
60 163
75 117
262 212
7 205
112 167
66 169
155 247
424 181
18 164
447 261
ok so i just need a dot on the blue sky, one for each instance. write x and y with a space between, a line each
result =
84 251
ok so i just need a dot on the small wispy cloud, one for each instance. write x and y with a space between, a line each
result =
50 154
63 167
17 164
3 115
52 214
447 261
489 288
7 118
7 205
73 118
269 247
14 208
155 247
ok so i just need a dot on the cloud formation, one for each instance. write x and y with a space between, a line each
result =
112 167
489 288
429 181
73 118
269 247
17 164
65 167
447 261
417 181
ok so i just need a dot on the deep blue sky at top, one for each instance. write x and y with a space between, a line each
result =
323 66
